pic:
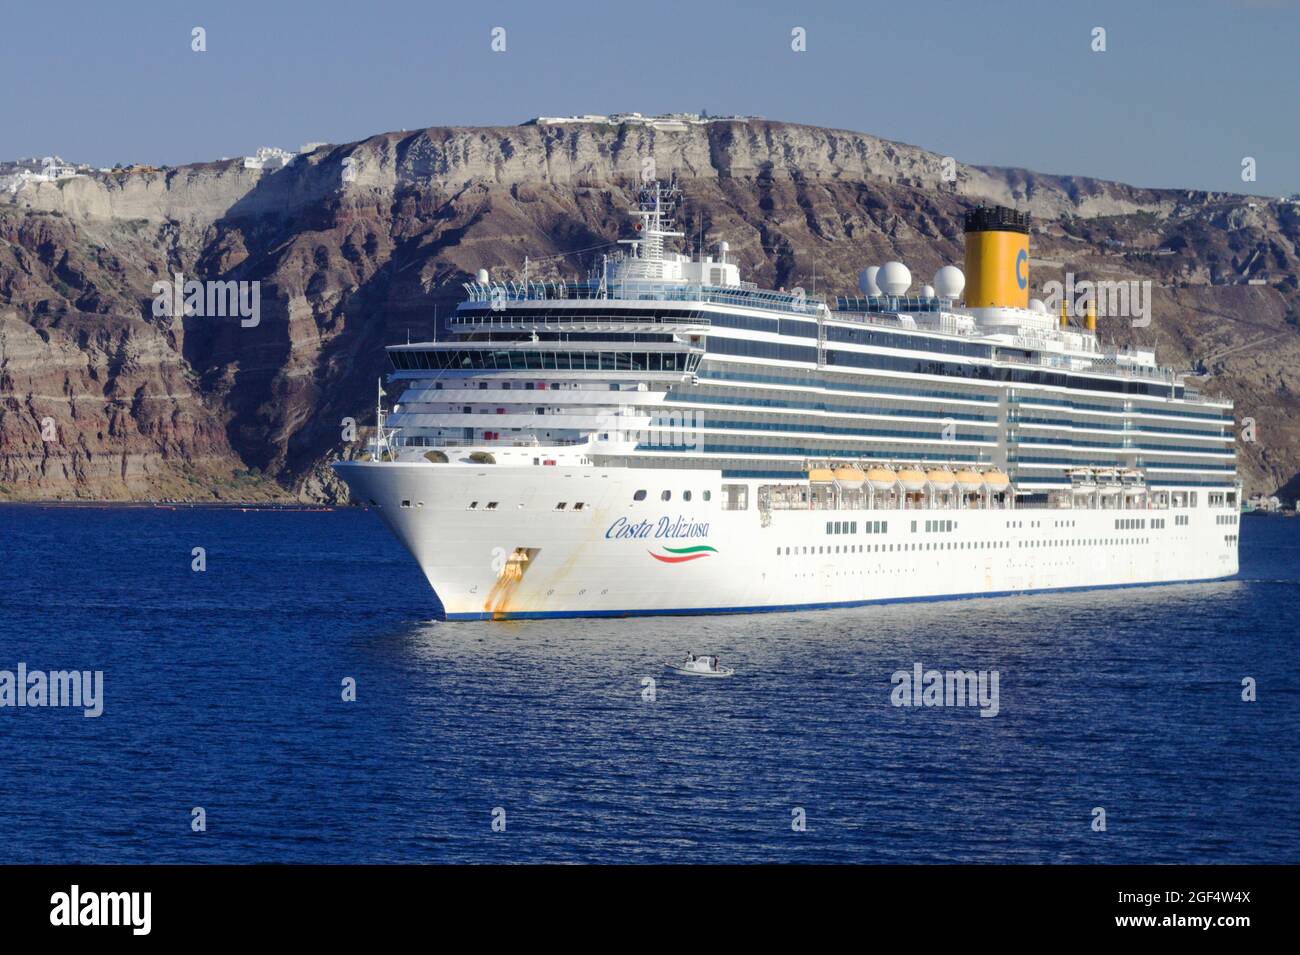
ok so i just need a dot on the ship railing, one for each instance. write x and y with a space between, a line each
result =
645 290
580 321
891 303
436 443
1067 363
895 322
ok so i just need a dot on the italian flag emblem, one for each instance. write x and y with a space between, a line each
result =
680 555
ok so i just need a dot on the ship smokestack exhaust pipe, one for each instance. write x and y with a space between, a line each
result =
997 258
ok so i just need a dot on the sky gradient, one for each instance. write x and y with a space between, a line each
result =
1182 93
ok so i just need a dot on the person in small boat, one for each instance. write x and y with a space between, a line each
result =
690 656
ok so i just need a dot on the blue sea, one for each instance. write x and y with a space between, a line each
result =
222 690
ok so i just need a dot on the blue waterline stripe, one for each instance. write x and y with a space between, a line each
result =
835 605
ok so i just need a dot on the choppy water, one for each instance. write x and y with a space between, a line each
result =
222 690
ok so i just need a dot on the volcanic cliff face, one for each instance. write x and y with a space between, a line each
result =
356 246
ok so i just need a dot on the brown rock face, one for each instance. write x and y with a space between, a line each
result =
356 246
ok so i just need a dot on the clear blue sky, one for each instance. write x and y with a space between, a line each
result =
1183 92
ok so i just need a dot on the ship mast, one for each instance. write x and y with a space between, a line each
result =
380 441
654 207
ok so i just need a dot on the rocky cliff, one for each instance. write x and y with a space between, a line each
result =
356 246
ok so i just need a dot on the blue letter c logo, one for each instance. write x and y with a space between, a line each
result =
1022 280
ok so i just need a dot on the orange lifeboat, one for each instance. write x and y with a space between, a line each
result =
996 480
850 478
942 478
881 478
912 479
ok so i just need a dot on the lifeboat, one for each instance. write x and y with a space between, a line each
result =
942 478
912 479
969 480
821 475
996 479
850 478
881 479
1107 476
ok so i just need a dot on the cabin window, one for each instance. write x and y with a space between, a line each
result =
492 505
578 506
561 506
639 496
406 504
473 504
686 495
666 496
708 495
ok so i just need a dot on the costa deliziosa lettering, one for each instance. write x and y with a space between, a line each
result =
664 528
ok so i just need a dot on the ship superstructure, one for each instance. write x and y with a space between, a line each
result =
664 437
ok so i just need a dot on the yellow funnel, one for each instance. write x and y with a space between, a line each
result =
997 258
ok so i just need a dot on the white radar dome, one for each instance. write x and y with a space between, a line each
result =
867 281
950 282
927 291
894 278
483 276
1037 305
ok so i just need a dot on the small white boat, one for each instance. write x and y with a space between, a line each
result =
701 666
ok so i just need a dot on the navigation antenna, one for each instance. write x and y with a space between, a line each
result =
381 441
653 210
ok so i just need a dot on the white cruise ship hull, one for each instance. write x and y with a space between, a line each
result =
467 527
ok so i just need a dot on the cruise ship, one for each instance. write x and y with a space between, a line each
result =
664 437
